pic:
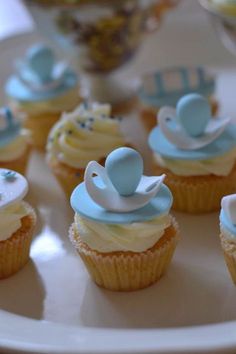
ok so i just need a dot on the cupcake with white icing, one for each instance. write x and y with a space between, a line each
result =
228 232
122 228
17 222
88 133
196 152
15 143
41 89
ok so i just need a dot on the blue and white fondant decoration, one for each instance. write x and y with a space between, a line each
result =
40 76
120 193
9 126
13 187
167 86
228 213
190 132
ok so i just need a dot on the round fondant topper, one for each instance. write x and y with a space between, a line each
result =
40 76
10 127
111 200
191 126
228 204
13 187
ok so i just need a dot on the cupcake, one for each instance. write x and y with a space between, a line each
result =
88 133
197 154
122 228
226 7
42 89
17 222
228 232
166 87
15 143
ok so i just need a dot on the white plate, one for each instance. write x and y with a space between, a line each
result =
51 306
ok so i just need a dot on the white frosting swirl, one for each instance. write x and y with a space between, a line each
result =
10 219
84 135
15 148
218 166
135 237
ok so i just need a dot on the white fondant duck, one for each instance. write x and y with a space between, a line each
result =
125 188
191 126
39 70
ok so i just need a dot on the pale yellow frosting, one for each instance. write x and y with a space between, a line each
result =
135 237
88 133
219 166
15 148
62 103
10 219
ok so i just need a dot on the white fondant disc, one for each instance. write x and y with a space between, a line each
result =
13 187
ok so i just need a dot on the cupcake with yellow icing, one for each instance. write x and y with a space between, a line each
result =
15 143
17 222
41 89
228 232
165 88
122 228
196 152
88 133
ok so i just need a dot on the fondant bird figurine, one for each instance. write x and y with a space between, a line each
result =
191 126
125 188
11 127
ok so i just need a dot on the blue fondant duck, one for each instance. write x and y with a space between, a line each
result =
191 126
11 127
120 194
125 187
40 76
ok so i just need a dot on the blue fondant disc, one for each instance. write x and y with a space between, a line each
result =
227 223
17 89
83 204
224 143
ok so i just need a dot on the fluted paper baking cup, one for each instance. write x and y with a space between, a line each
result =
229 249
128 271
20 164
14 252
40 126
198 194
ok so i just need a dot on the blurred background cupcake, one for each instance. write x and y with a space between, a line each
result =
90 132
17 223
197 152
102 37
41 89
15 143
167 86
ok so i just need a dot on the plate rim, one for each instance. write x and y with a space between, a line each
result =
57 338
